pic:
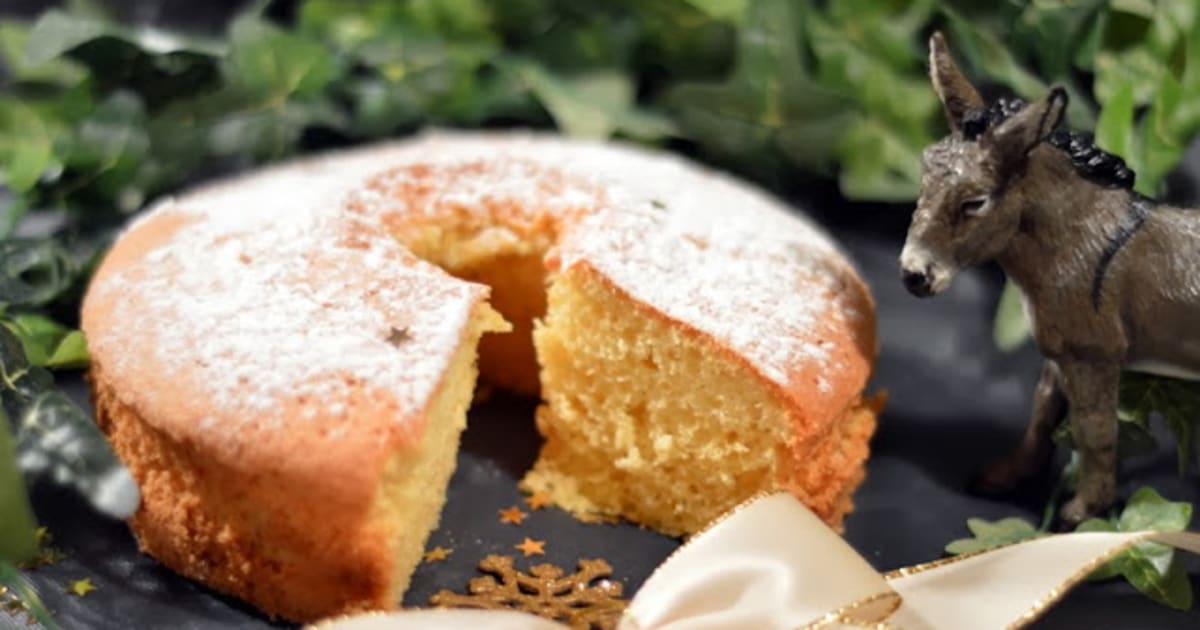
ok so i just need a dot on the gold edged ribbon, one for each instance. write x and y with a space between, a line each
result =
771 564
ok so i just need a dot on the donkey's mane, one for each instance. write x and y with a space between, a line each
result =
1089 160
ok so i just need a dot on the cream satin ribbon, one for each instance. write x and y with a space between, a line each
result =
771 564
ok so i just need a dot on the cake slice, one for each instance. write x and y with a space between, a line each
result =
700 346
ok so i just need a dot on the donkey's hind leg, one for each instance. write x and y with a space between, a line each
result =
1031 455
1091 389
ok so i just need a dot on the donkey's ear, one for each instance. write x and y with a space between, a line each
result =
957 94
1015 137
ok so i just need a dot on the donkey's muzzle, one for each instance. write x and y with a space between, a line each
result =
918 283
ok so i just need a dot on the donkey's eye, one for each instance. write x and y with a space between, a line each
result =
972 207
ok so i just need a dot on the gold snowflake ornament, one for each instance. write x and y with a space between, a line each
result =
584 600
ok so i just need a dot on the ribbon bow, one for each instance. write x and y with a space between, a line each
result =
771 564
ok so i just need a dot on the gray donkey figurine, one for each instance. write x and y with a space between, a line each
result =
1110 279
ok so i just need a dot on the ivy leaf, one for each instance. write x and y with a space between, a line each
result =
1011 328
14 38
989 535
1114 128
57 33
1162 131
1173 588
1152 568
48 343
868 51
987 53
56 438
271 64
26 145
1112 568
1056 33
159 65
1147 510
458 19
261 135
878 164
769 96
109 153
34 272
1176 401
18 538
595 105
1140 45
347 24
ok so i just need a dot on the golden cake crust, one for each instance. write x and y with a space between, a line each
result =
291 554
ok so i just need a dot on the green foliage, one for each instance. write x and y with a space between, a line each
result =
594 105
33 273
770 105
1011 328
106 116
48 343
54 436
18 540
989 535
1176 401
1144 398
1152 568
25 595
1148 80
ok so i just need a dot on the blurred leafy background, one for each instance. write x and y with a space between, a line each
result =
101 113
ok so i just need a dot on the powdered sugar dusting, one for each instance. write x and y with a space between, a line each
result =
718 255
453 181
285 284
702 247
276 294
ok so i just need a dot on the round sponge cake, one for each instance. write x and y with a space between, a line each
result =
284 360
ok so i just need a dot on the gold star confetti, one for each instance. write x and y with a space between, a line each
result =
531 547
537 501
512 515
586 599
399 336
82 587
437 554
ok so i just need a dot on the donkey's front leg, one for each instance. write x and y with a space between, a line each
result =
1025 461
1091 390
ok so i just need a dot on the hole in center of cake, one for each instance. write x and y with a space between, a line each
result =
490 222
